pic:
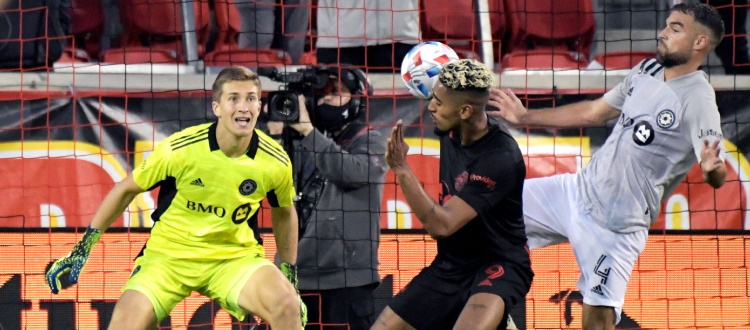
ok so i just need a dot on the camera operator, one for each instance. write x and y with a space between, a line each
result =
339 165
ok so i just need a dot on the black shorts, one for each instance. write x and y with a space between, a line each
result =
434 299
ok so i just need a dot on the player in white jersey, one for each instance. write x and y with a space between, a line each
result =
667 118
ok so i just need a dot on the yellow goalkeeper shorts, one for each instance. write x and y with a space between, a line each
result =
166 281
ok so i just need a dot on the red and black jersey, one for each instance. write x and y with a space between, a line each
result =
489 176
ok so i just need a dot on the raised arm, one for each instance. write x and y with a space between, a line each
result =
439 221
580 114
112 206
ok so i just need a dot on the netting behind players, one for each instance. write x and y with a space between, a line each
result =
81 105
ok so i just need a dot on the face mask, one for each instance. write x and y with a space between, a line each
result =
330 118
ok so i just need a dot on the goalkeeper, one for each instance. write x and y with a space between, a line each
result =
212 178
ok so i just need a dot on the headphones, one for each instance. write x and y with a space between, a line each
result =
355 80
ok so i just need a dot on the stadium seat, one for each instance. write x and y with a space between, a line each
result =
453 22
227 52
308 58
545 59
228 23
138 54
87 18
622 60
556 28
248 57
157 24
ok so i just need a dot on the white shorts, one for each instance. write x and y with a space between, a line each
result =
554 214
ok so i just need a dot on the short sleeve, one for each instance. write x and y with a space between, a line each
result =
155 168
616 96
490 181
702 120
282 194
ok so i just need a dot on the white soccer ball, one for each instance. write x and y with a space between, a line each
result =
421 66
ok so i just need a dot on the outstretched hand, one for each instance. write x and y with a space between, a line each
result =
72 263
508 104
397 150
710 156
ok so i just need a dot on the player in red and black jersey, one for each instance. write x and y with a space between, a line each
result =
482 267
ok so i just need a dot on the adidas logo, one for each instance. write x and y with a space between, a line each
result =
598 290
197 182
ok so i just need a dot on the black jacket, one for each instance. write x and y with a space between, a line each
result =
42 25
342 182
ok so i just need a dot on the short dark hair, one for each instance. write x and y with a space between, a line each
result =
705 15
233 73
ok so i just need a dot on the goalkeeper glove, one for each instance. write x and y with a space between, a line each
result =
290 271
73 262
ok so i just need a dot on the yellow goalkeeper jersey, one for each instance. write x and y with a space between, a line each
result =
208 203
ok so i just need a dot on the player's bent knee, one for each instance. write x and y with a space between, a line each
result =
288 307
269 295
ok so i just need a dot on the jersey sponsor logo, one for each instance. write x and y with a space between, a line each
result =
248 187
710 132
489 182
241 213
630 91
643 133
210 209
197 182
625 121
665 118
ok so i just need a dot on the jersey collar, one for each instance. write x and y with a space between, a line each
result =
214 144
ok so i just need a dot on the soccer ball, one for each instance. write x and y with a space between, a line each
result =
422 64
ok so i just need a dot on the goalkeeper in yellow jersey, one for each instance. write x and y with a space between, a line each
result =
212 178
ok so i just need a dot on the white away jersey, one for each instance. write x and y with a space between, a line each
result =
656 141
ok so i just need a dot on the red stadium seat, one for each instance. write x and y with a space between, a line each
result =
622 60
248 57
546 59
227 52
308 58
228 22
453 22
566 24
554 33
138 54
158 24
87 18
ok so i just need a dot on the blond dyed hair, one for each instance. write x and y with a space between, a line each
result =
467 75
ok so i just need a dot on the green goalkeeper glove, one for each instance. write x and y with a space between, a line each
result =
73 262
290 271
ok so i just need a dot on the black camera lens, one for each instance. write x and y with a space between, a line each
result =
283 106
